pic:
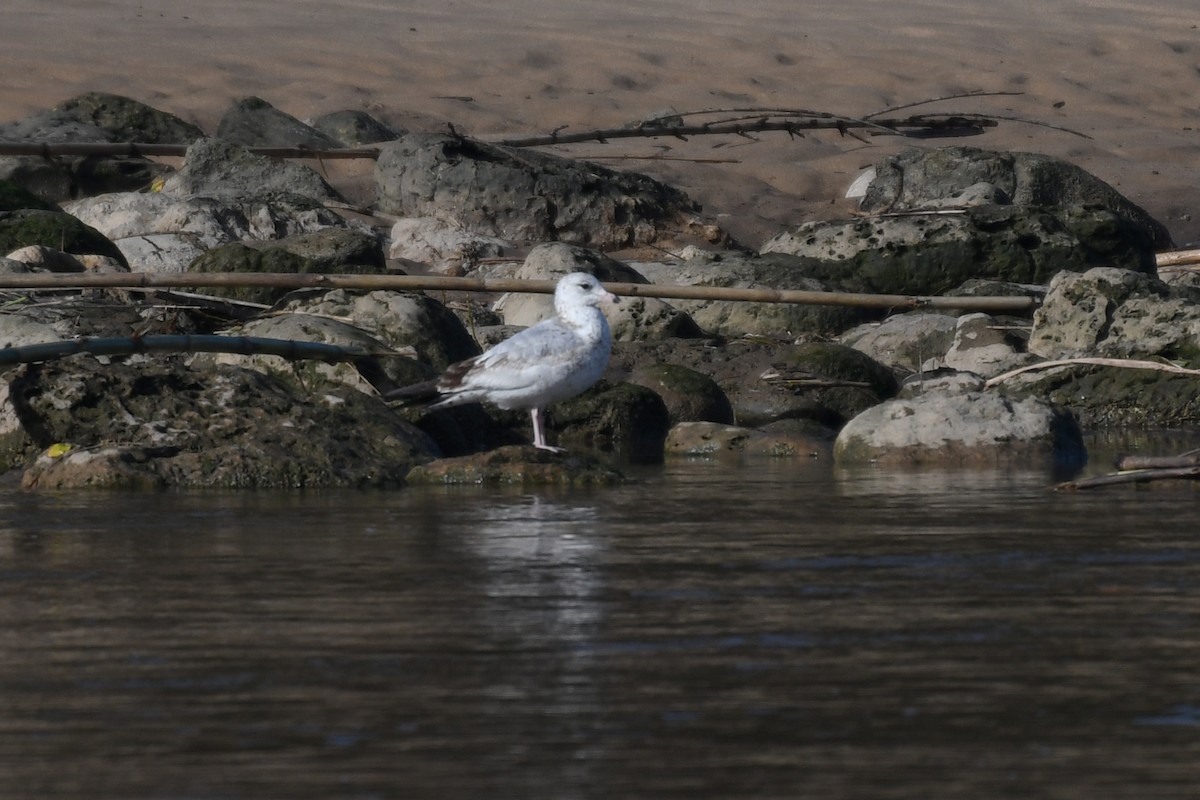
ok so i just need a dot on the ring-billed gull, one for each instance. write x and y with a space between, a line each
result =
553 360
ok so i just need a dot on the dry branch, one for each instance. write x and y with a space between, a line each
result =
288 280
1132 476
1123 363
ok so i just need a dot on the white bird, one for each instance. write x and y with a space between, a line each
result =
551 361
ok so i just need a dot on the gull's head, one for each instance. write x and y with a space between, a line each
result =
579 290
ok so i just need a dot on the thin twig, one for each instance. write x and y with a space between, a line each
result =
1124 363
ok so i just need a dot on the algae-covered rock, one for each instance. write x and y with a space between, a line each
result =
519 465
54 229
624 417
222 427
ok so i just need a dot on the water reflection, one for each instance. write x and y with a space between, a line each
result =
772 629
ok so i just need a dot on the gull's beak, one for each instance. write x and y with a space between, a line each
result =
611 299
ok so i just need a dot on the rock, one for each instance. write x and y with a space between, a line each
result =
521 465
263 257
355 128
946 381
93 117
442 247
632 319
1115 397
711 439
311 373
904 341
1116 313
630 419
523 195
127 120
164 233
334 250
218 168
731 318
690 396
56 230
984 347
14 197
983 428
253 122
398 319
932 254
922 178
225 427
40 258
820 381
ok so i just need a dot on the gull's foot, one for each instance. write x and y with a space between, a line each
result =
551 448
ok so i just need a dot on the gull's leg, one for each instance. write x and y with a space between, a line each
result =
539 431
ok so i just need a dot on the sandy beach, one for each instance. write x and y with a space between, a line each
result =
1125 73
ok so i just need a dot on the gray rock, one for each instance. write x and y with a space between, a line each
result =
944 381
522 195
263 257
983 346
629 419
56 230
730 318
1115 397
923 178
253 122
440 246
690 396
633 319
1116 313
354 128
333 249
218 168
126 120
974 428
930 254
904 341
225 427
398 319
713 439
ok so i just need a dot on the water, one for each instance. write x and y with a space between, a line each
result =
768 630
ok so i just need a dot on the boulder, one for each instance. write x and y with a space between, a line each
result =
1116 313
613 416
92 117
278 257
441 247
713 439
401 320
985 347
690 396
517 465
253 122
224 427
524 195
633 319
931 254
741 270
56 230
354 128
920 178
14 197
904 341
983 428
219 168
1115 397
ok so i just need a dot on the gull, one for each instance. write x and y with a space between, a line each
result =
553 360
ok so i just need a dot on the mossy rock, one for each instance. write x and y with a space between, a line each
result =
620 416
238 257
517 465
54 229
14 197
1114 397
690 396
129 120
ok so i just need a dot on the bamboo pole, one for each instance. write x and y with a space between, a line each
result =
147 150
288 280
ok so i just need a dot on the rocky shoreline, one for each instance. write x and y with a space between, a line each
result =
1112 345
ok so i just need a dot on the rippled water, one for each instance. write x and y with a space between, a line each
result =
767 630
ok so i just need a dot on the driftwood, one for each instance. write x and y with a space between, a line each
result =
1132 476
1178 258
290 349
1189 459
288 280
1124 363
